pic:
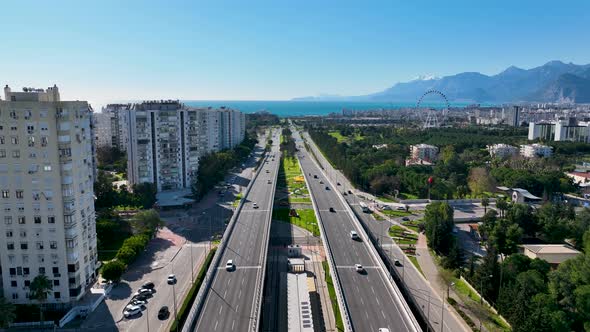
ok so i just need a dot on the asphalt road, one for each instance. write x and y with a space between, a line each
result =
230 302
421 290
370 301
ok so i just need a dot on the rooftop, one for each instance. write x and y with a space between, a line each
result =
550 249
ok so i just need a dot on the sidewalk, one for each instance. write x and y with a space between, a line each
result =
431 273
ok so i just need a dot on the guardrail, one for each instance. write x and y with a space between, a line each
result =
196 309
339 295
264 253
399 298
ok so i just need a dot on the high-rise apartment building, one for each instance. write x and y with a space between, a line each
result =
166 140
112 125
46 194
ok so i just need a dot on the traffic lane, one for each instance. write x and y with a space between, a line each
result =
244 248
369 309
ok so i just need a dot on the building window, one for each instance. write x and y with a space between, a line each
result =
56 282
44 141
16 154
39 245
31 141
55 270
41 270
25 271
70 243
13 283
23 233
22 220
51 219
24 246
27 283
5 194
2 140
47 168
37 219
15 296
57 295
8 233
2 153
12 271
14 140
19 194
8 220
53 244
10 246
41 258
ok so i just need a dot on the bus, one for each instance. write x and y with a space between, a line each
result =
364 207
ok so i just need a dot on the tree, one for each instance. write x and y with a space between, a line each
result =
502 205
522 215
516 302
485 202
505 236
113 270
40 288
438 220
455 258
555 222
148 221
479 181
580 226
145 194
7 312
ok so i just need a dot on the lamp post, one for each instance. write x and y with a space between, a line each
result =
442 313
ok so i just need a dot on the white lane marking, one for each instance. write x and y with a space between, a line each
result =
383 314
373 289
216 322
243 280
240 293
233 322
225 294
362 301
377 301
220 308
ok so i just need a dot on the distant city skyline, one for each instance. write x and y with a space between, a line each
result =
263 50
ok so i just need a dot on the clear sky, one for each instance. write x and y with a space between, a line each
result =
268 50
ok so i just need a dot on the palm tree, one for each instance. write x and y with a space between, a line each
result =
7 314
502 205
485 202
40 289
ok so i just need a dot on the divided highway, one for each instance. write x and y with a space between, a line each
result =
233 302
370 297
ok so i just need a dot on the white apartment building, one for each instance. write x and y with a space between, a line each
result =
535 150
102 130
47 224
502 151
561 130
166 140
112 126
424 152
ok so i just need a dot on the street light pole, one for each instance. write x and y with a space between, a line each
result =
147 318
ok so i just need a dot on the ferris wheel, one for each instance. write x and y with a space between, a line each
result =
433 118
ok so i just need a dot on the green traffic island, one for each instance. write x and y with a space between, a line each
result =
401 236
303 218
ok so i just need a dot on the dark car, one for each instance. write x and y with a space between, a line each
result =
163 313
332 209
148 285
350 192
337 183
141 297
327 188
406 219
344 193
315 176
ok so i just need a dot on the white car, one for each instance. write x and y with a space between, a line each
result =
229 265
143 291
359 268
171 279
132 306
354 235
254 205
131 311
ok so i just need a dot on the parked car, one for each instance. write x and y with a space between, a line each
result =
131 306
354 235
315 176
163 313
143 291
397 263
171 279
321 182
400 208
254 205
141 297
148 285
138 302
350 192
131 311
406 219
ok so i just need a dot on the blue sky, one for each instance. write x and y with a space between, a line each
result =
272 50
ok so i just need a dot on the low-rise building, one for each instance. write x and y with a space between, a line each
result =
502 151
535 150
554 254
562 130
424 152
579 177
299 312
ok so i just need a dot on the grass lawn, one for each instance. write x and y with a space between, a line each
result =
414 261
413 225
377 216
385 199
333 299
290 174
397 232
395 213
108 248
407 196
336 134
306 219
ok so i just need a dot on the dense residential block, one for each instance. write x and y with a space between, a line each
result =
47 202
164 139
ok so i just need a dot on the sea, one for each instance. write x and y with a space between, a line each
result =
308 108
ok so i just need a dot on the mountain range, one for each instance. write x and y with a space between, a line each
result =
554 82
